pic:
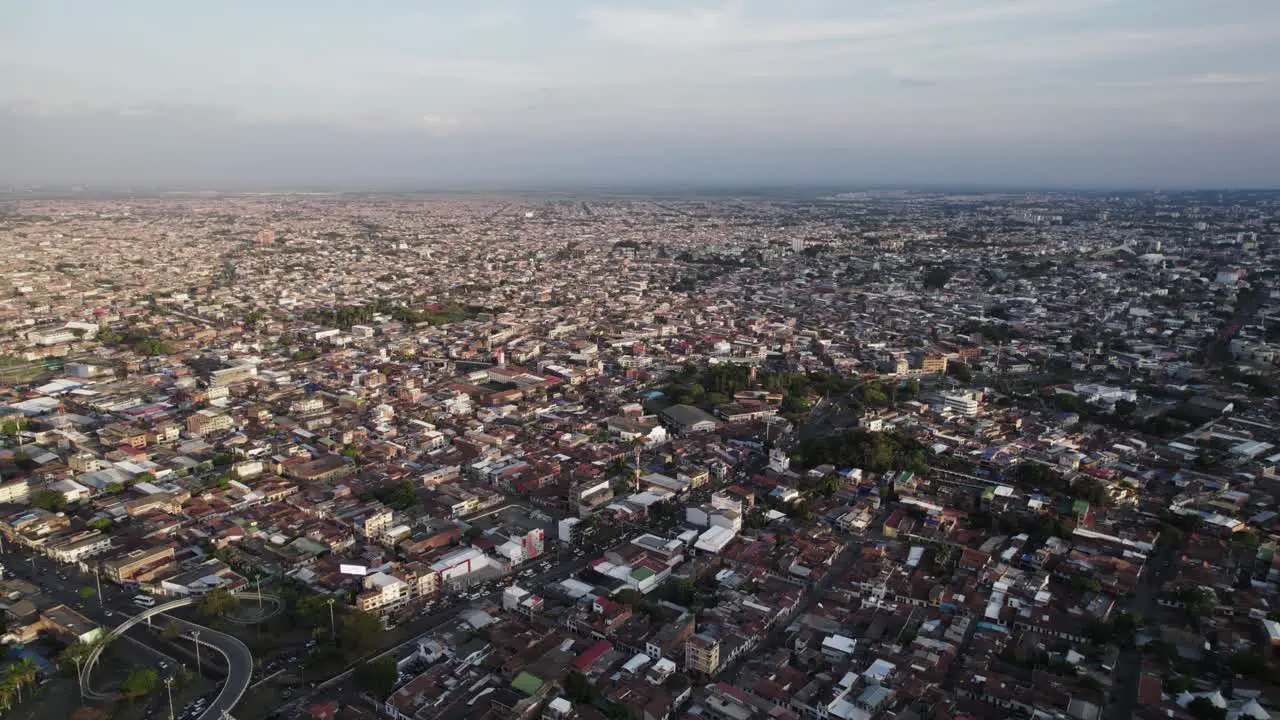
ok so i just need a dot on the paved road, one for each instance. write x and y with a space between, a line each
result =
1128 672
731 673
426 624
239 667
62 583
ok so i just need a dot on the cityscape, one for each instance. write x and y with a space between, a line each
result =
847 454
640 360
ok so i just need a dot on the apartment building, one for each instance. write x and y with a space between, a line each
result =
79 546
702 654
208 421
966 403
15 491
375 523
232 375
382 593
139 565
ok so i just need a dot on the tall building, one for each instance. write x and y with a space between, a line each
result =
702 654
965 403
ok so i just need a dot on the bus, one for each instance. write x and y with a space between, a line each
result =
144 600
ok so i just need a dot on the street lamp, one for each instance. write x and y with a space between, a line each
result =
80 679
195 637
333 631
168 685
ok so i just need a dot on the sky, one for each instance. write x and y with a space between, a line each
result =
438 94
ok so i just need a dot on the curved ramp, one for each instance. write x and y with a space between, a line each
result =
239 659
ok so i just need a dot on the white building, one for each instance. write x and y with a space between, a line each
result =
92 543
15 491
715 539
71 490
382 593
459 564
567 530
965 403
513 596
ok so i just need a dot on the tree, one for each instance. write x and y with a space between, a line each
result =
829 486
1198 602
1249 663
311 611
359 631
794 404
1247 538
50 500
936 278
103 524
1177 684
222 481
13 425
140 682
960 371
630 597
377 677
1204 709
578 687
170 632
17 676
216 602
76 653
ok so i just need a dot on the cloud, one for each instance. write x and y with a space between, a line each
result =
1214 78
729 25
491 18
440 124
471 71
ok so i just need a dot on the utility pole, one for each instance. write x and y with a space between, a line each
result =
98 576
168 685
333 628
195 637
80 680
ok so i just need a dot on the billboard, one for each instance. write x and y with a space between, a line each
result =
353 570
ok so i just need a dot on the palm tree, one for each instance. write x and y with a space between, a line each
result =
13 678
6 693
28 669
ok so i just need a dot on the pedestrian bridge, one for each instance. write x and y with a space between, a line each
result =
239 659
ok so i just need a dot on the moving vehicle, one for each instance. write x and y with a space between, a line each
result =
144 600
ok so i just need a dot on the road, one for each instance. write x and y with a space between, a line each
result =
1124 688
426 624
62 583
731 673
239 667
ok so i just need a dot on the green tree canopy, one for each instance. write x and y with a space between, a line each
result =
50 500
140 682
216 602
359 631
376 677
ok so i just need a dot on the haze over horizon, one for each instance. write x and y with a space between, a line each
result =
434 94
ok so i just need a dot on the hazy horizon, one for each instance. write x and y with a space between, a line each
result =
437 95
